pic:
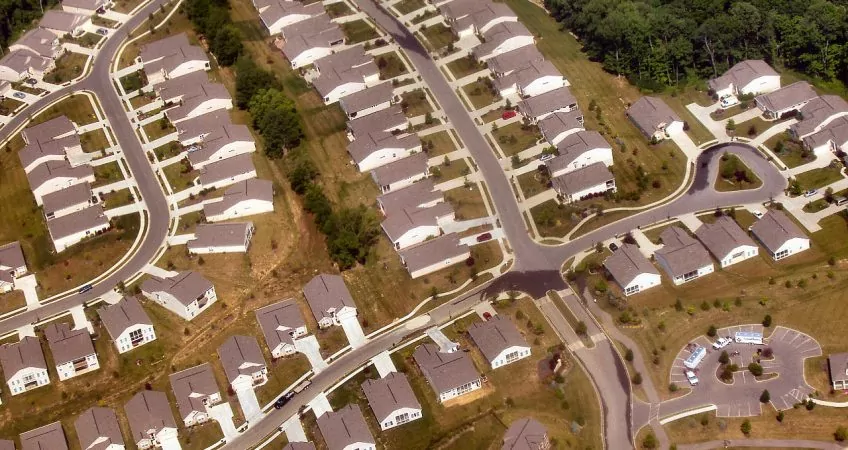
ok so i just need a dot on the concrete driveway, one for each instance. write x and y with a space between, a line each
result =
353 331
249 403
223 414
309 346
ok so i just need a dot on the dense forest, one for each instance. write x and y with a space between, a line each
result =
18 15
659 43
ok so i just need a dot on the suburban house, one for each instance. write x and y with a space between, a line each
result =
221 238
837 364
12 265
173 90
422 194
412 225
85 7
19 65
481 16
38 138
578 150
390 120
449 374
344 73
631 270
98 428
541 106
368 101
592 180
195 389
392 400
299 446
192 131
56 175
39 152
683 257
781 237
536 78
433 255
505 63
306 41
376 148
151 420
50 436
127 323
282 13
499 340
833 137
329 300
817 114
245 198
186 294
6 444
225 142
526 434
23 365
39 41
557 126
243 362
73 352
501 38
63 23
726 241
785 100
401 173
654 118
220 174
346 429
749 77
171 57
66 201
72 228
281 324
204 99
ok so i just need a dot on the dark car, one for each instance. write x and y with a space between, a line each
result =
613 247
85 288
484 237
283 400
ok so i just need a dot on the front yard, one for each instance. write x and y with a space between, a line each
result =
107 174
390 66
94 140
438 144
180 176
438 37
553 219
68 67
790 151
463 67
467 202
407 6
819 178
448 170
358 31
481 93
516 137
534 182
158 128
414 103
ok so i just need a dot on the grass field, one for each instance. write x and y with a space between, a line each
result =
438 36
338 9
734 175
427 14
158 128
414 103
107 174
116 199
480 93
531 183
457 168
818 178
463 67
358 31
516 137
94 141
553 219
468 203
438 144
68 67
790 151
407 6
179 176
8 105
77 108
390 66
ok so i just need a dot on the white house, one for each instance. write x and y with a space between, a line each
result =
413 225
368 101
220 174
682 257
390 120
85 7
281 13
67 201
71 229
63 23
781 237
306 41
579 150
73 352
12 265
501 38
785 100
98 429
631 270
329 300
818 114
749 77
434 255
654 118
837 364
281 325
128 324
557 126
401 173
151 420
53 176
833 137
536 78
344 73
221 238
499 340
171 57
469 17
246 198
195 390
450 375
726 241
378 148
223 143
541 106
186 294
346 429
243 362
586 182
204 99
23 365
392 400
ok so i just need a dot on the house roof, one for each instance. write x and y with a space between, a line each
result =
252 189
398 223
787 96
432 252
277 320
723 237
187 84
525 434
66 344
385 119
835 131
352 65
444 371
6 444
401 169
97 428
186 286
59 20
457 9
837 364
21 355
56 147
280 9
498 34
627 263
49 130
49 170
514 59
146 411
560 122
50 436
389 394
344 60
775 228
299 446
495 335
344 427
203 124
191 100
419 193
310 26
651 113
546 103
77 222
191 386
42 42
163 47
220 235
741 74
297 45
218 139
682 253
75 194
485 13
12 256
575 145
172 61
365 145
325 292
91 5
527 74
20 61
816 112
583 178
367 98
240 355
227 168
124 314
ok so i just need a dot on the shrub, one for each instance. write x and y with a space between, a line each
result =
767 321
724 358
780 416
637 378
673 387
711 331
755 369
765 397
650 441
841 433
628 355
746 427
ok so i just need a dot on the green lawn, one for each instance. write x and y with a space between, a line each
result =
8 105
68 67
791 152
358 31
115 199
338 9
754 127
678 101
414 103
553 219
107 174
734 175
818 178
438 36
168 150
533 183
94 141
463 67
424 16
407 6
468 203
444 172
481 93
390 66
133 81
516 137
179 177
158 128
77 108
438 144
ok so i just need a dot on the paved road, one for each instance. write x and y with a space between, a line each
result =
761 443
99 82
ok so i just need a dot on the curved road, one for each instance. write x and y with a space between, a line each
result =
99 82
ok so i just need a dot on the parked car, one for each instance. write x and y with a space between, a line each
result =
19 95
484 237
283 400
546 157
31 81
729 100
757 213
85 288
613 247
487 315
508 114
102 31
722 342
810 192
690 376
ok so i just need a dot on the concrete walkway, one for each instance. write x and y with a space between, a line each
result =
320 405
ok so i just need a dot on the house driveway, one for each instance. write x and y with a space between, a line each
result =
309 346
223 414
294 429
320 405
353 331
383 363
249 403
28 285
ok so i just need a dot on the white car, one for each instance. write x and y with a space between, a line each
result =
690 376
729 101
722 342
757 213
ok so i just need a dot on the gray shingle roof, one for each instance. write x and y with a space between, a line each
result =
787 96
279 9
220 235
575 145
20 355
741 74
774 229
203 124
420 193
457 9
299 446
388 394
531 72
350 65
835 131
124 314
55 19
218 139
401 169
252 189
66 344
73 195
191 100
163 47
76 222
583 178
651 113
496 335
365 145
514 59
626 263
227 168
681 252
191 386
324 292
40 41
525 434
399 222
277 320
185 85
433 251
6 444
498 34
391 118
344 427
20 61
367 98
445 371
46 148
43 173
187 286
722 237
240 355
819 109
50 436
97 428
485 14
146 411
546 103
11 255
49 130
560 122
838 366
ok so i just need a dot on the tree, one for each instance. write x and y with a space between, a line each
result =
581 328
711 331
767 321
724 358
227 45
765 397
277 120
755 369
637 378
650 441
250 78
780 416
746 427
731 125
628 355
841 433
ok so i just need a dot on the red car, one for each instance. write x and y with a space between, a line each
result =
508 114
487 315
484 237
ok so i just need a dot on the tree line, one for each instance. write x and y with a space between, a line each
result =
662 43
211 18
